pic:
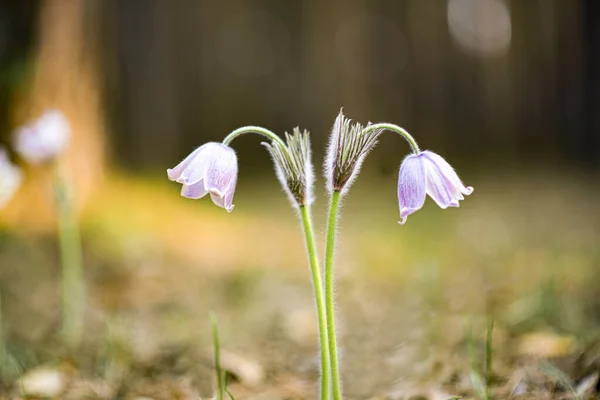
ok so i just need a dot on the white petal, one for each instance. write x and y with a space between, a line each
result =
218 200
449 174
439 188
176 173
221 169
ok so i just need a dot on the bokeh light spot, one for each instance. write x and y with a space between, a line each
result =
480 27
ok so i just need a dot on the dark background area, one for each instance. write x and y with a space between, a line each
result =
469 82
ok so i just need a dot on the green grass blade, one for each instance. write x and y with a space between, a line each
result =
216 345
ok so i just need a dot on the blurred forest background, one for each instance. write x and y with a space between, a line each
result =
507 90
474 79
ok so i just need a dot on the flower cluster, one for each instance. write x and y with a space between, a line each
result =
421 173
212 168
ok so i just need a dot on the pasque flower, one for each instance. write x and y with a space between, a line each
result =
43 139
211 168
428 173
293 166
348 147
10 177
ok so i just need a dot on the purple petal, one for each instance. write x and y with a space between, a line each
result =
412 183
176 173
439 188
449 174
194 191
223 201
221 170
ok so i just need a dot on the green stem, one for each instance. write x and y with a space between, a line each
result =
3 357
395 128
329 293
488 355
253 129
73 301
217 348
319 298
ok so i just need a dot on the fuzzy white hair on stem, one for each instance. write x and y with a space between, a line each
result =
293 166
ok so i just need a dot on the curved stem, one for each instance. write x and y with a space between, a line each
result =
319 298
253 129
395 128
329 293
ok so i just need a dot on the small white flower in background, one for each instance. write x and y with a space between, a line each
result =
43 139
211 168
428 173
10 178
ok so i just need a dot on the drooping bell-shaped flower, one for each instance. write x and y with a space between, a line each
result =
348 146
293 166
43 139
10 177
428 173
211 168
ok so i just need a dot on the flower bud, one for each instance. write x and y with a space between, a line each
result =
348 147
293 166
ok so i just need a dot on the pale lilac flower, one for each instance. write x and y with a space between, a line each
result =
43 139
211 168
428 173
10 178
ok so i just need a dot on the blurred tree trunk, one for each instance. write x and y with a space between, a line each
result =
66 77
590 145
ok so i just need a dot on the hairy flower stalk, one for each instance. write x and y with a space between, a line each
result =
43 141
349 145
421 173
293 167
212 168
